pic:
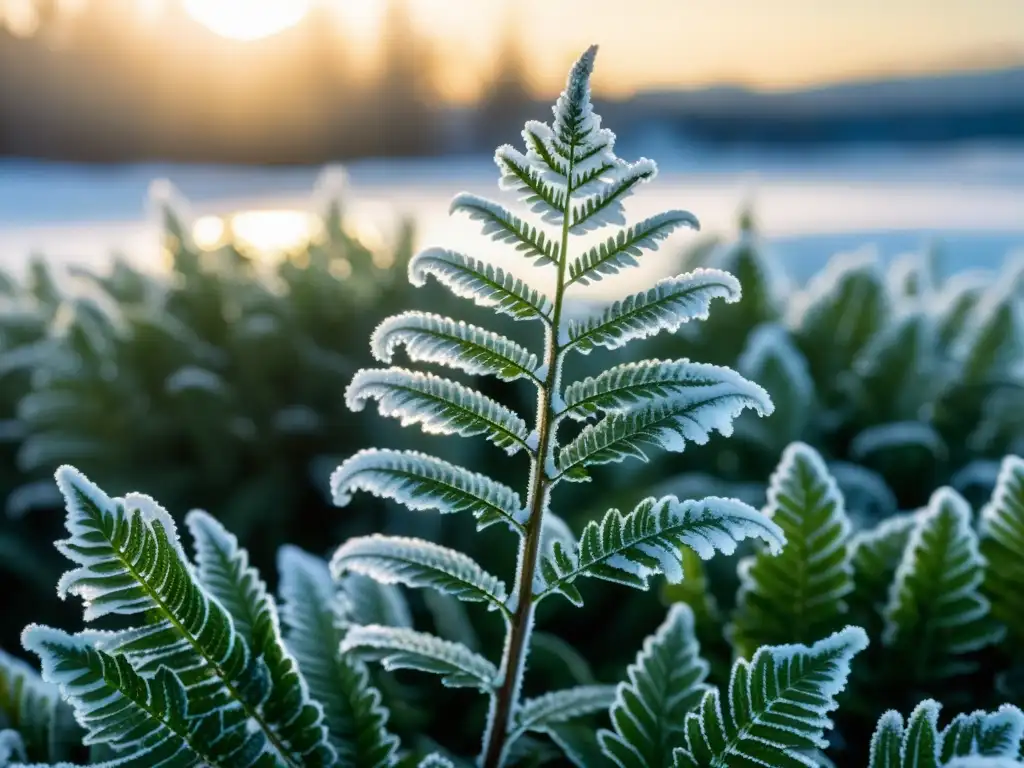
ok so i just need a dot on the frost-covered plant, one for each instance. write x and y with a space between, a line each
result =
573 185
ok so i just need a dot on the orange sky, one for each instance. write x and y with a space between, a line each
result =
672 43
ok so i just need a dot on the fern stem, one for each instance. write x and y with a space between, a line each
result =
517 643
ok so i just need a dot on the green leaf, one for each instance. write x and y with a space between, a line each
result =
778 706
1002 546
605 206
130 562
665 307
34 708
503 226
399 648
418 563
936 615
151 716
800 594
520 176
440 406
629 549
558 707
664 683
423 482
622 249
875 555
311 612
579 744
224 570
486 285
434 339
691 415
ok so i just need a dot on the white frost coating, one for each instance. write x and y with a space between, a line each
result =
438 405
979 761
422 482
430 338
900 434
669 422
401 648
191 377
772 693
942 530
417 563
486 285
629 549
533 440
503 226
667 306
561 706
1000 518
623 249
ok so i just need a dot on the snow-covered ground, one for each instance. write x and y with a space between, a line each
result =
809 205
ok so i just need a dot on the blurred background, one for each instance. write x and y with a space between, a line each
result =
206 206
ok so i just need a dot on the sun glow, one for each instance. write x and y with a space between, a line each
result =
247 19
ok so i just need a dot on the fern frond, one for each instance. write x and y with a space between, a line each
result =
629 386
365 601
439 406
629 549
544 712
148 715
519 175
936 614
223 568
622 249
503 226
666 423
778 705
310 611
130 562
1002 545
664 683
605 207
920 744
423 482
418 563
875 555
34 709
799 594
486 285
665 307
432 338
397 648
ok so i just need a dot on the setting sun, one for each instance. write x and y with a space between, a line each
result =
247 19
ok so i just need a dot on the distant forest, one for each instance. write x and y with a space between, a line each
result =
103 87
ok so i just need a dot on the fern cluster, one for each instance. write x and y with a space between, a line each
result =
192 661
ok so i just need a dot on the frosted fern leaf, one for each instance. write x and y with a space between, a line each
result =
629 386
435 339
542 713
440 406
622 249
921 744
504 226
665 307
398 648
1002 545
130 562
311 613
800 594
223 568
629 549
149 716
936 614
875 555
664 683
418 563
423 482
669 423
366 601
486 285
34 709
777 706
